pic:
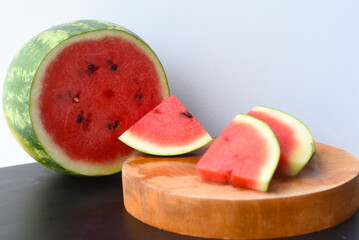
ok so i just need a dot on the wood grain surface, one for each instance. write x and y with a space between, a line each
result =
167 193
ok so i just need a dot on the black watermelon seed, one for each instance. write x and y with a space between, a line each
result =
112 64
114 67
139 96
91 67
116 124
187 114
79 118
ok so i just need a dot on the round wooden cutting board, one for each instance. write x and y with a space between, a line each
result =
167 193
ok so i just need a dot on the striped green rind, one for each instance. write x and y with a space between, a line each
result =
19 80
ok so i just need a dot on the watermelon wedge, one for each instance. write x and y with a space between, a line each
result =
169 129
245 155
295 140
74 88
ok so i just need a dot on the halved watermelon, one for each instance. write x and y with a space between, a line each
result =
169 129
295 140
245 155
74 88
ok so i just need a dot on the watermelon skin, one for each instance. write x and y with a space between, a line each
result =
19 81
168 130
294 137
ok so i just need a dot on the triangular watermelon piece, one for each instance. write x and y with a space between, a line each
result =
169 129
295 140
245 155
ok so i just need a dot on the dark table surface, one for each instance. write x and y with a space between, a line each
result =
37 203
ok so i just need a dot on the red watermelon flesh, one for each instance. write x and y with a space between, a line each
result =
284 134
92 92
245 155
295 140
169 129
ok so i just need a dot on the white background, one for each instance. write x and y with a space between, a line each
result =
225 57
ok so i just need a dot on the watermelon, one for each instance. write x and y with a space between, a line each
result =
169 129
295 140
246 155
74 88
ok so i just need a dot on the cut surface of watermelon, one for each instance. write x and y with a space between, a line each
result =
84 83
295 140
246 154
169 129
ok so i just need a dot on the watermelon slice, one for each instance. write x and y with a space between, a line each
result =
295 140
167 130
74 88
245 155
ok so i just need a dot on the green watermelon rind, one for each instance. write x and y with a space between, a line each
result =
267 171
19 82
145 146
312 147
